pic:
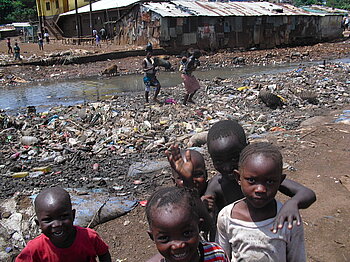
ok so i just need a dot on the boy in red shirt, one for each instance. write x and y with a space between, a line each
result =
60 239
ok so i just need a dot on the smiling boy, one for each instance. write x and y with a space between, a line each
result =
173 219
60 240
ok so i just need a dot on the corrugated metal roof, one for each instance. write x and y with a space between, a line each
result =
102 5
198 8
23 24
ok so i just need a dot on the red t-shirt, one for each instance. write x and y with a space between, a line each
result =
87 245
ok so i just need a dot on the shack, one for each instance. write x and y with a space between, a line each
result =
104 14
179 25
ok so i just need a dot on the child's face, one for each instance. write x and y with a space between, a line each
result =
224 153
55 218
199 174
175 232
259 178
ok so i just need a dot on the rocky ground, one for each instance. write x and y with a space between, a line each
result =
95 145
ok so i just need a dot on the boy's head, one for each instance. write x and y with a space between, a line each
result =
55 216
260 173
199 174
16 43
173 224
226 139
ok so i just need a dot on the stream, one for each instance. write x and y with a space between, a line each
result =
69 92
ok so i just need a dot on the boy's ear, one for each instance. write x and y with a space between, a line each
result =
283 177
150 235
237 176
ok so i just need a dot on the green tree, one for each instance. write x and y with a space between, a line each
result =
17 11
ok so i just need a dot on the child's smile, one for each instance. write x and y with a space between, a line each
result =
175 233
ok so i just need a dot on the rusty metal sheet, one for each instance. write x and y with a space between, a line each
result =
199 8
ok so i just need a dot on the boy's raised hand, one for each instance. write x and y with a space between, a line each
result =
183 168
289 212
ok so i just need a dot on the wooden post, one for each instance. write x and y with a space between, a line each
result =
90 17
77 21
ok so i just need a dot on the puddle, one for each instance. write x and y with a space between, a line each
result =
46 95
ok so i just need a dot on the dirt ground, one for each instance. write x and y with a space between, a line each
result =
318 154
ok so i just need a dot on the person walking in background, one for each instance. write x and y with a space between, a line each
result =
47 37
190 82
150 70
17 52
40 42
98 40
9 47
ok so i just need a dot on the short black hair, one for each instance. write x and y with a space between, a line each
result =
172 196
261 148
226 128
51 191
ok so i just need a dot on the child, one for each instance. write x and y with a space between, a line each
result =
226 139
17 51
41 43
173 226
150 79
244 226
188 169
60 240
98 40
190 82
9 47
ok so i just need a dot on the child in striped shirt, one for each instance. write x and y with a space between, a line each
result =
174 227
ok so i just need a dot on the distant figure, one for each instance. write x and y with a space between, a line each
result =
17 52
41 43
150 79
47 37
103 34
94 32
190 82
9 47
98 40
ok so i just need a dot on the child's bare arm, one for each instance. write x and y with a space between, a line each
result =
105 257
302 197
184 169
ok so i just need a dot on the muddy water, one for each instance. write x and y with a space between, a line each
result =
46 95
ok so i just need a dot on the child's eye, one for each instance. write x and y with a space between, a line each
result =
188 233
270 182
163 239
251 180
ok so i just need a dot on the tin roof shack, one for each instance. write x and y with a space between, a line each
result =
105 13
7 31
214 25
327 19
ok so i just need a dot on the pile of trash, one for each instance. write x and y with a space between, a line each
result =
93 145
118 145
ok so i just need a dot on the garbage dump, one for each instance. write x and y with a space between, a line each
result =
118 145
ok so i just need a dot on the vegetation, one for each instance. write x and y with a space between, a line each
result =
342 4
17 11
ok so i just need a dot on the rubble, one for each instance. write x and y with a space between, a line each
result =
103 139
118 145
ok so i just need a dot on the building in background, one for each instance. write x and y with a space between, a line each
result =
48 11
180 25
